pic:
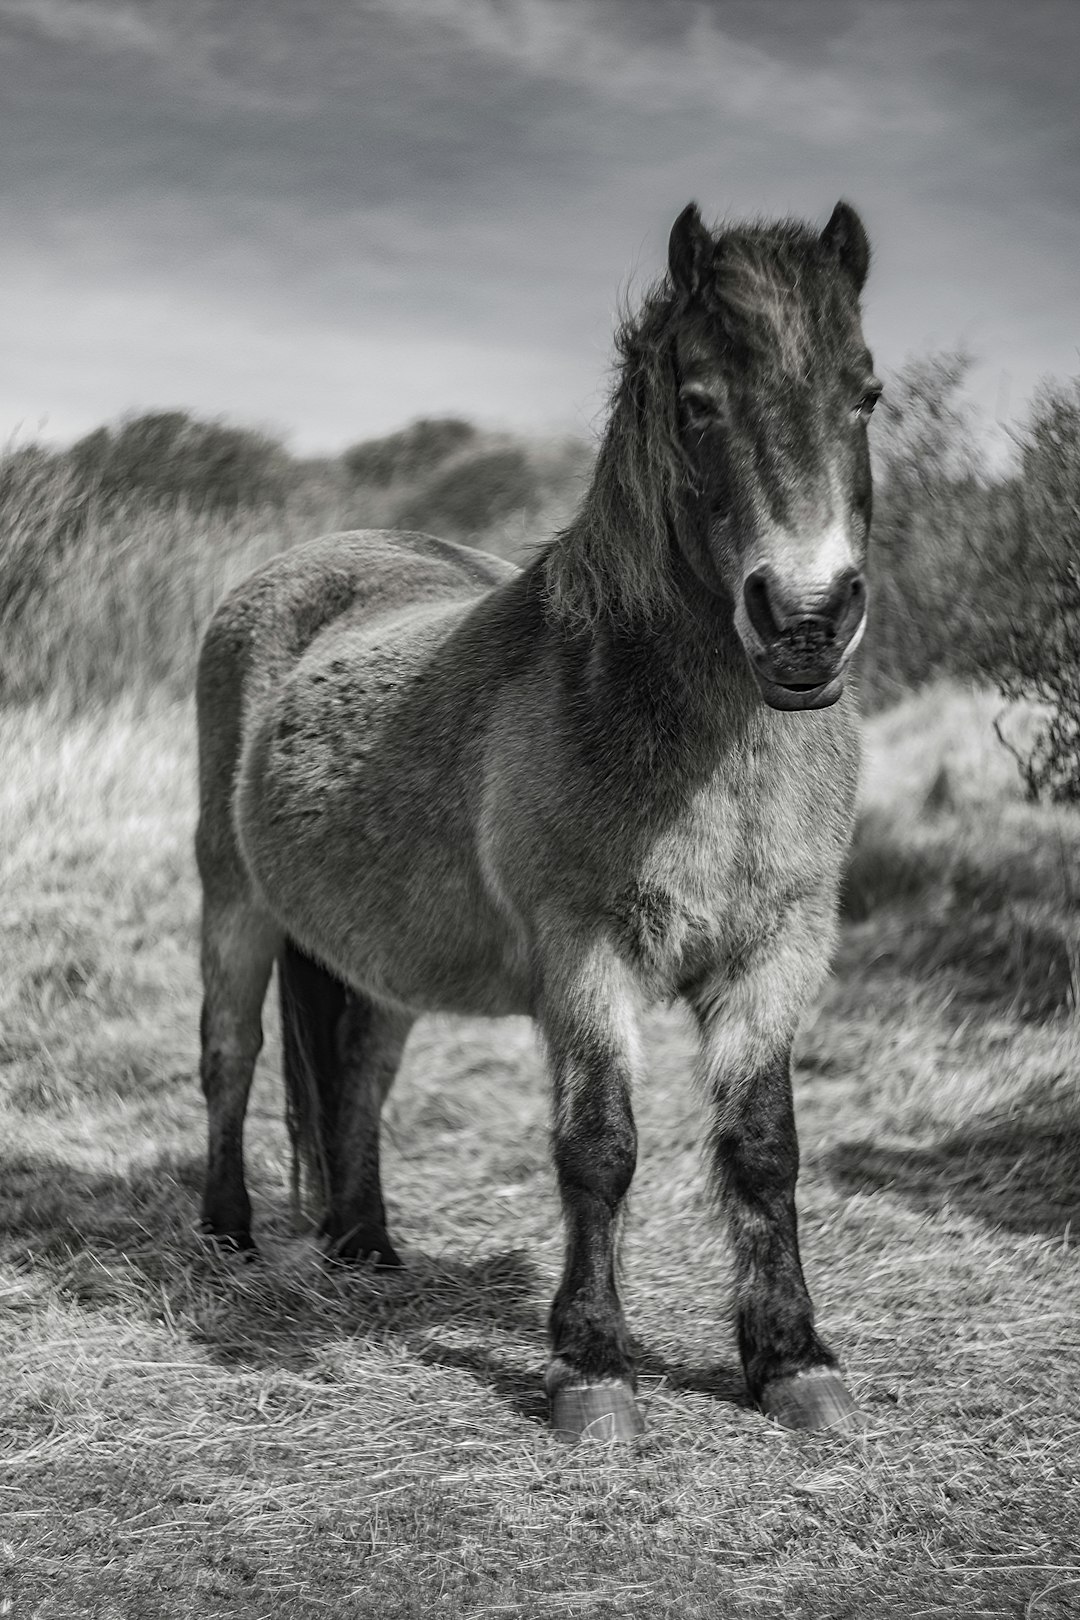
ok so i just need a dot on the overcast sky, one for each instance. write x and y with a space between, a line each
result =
330 217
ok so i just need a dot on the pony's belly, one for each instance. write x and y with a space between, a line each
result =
403 918
431 957
354 817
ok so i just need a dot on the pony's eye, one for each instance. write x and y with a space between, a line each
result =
700 405
864 408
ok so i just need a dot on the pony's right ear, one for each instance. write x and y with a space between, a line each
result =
690 248
845 236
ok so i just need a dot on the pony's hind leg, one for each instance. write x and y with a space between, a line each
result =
590 1029
341 1052
372 1040
239 944
790 1372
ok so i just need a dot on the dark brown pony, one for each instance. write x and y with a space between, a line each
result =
623 774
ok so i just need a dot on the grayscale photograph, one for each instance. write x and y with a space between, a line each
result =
540 810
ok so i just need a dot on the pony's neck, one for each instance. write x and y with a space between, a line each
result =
627 577
636 565
670 693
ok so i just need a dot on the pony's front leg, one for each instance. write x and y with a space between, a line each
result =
590 1027
790 1372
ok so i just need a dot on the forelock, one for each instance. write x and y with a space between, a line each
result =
780 294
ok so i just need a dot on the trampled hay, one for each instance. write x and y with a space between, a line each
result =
288 1439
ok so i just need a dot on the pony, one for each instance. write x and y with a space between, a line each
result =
621 774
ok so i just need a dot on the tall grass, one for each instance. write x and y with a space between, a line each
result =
120 607
102 596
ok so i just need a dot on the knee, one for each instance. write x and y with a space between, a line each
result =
746 1164
596 1150
228 1056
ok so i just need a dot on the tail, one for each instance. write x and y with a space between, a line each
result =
312 1004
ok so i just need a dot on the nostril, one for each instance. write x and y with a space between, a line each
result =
846 603
856 604
758 605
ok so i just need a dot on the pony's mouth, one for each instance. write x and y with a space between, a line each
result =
795 695
785 674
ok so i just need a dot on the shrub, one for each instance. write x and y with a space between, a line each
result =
926 556
473 494
168 456
412 452
1032 645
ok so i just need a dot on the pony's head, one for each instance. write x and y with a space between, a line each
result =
773 385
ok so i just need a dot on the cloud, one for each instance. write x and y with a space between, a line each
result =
96 23
619 54
421 178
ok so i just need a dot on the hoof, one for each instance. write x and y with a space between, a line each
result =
364 1249
241 1243
595 1412
814 1399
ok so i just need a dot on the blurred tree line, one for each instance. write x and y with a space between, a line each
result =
973 574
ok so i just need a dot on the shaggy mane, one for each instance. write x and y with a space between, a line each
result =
611 561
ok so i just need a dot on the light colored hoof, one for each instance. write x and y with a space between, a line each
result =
815 1399
595 1412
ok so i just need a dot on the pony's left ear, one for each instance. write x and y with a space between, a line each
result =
846 237
690 248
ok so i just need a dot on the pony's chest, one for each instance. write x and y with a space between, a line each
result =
716 885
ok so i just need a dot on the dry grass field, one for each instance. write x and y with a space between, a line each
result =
187 1436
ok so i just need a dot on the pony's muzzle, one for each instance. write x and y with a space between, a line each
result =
799 642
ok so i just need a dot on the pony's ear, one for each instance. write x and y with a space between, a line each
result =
690 247
845 237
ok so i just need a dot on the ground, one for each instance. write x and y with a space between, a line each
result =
186 1434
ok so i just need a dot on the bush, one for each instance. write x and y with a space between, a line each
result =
412 452
1031 648
980 577
926 561
473 494
168 456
